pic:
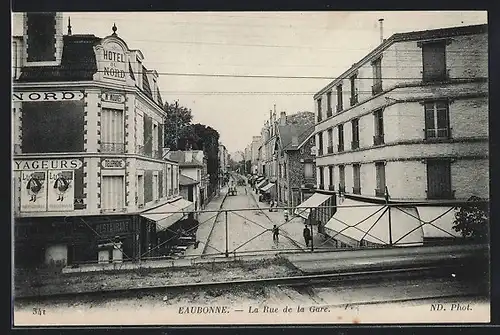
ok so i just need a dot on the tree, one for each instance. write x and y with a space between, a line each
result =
178 130
208 141
472 220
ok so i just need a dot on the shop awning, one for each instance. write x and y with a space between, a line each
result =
261 183
314 201
437 221
267 188
168 214
164 216
357 220
184 205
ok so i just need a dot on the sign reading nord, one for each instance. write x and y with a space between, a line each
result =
46 96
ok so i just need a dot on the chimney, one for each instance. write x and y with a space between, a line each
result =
381 21
283 118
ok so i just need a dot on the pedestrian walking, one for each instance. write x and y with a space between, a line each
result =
276 232
307 235
285 214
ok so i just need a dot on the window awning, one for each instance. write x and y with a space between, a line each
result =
267 188
168 214
358 220
437 221
315 200
261 183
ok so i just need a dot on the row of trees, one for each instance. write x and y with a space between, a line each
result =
182 134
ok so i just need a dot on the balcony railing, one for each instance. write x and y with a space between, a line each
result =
353 100
113 147
377 88
320 151
339 108
354 145
341 188
319 116
329 112
378 140
330 149
440 133
356 190
321 186
340 147
380 192
331 187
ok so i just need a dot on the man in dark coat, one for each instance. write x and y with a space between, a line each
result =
307 235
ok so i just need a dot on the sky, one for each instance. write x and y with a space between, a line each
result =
292 44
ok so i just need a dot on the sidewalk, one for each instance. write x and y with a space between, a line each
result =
294 227
207 222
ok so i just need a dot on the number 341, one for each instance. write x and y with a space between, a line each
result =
38 311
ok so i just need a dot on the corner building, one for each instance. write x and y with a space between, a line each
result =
408 121
88 147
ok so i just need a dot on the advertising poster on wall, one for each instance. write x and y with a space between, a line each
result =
33 191
61 191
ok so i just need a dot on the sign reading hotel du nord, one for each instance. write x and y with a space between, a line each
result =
47 96
113 61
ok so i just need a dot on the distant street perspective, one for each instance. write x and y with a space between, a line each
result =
241 168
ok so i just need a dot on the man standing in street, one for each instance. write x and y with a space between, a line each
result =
276 232
307 235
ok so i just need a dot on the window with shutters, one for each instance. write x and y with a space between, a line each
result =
320 144
113 193
355 134
434 61
354 91
320 116
340 146
341 178
340 103
378 117
439 179
329 104
330 178
356 177
330 140
380 176
112 131
321 177
308 170
377 76
437 120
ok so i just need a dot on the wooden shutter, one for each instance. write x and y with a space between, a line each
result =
434 61
160 184
160 140
148 186
148 135
438 179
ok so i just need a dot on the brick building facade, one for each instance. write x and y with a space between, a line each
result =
409 121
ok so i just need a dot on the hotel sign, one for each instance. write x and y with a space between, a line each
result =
46 96
114 61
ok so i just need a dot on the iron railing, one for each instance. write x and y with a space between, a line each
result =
113 147
244 231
